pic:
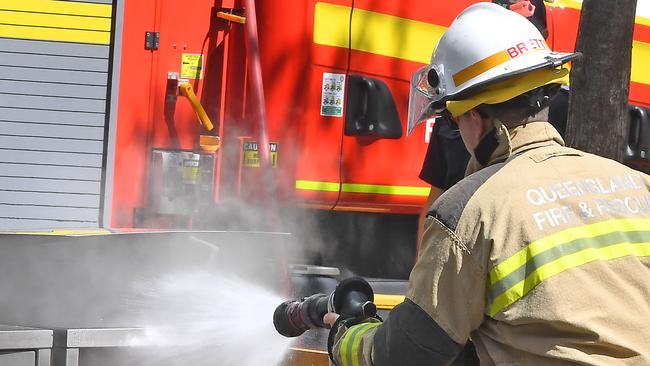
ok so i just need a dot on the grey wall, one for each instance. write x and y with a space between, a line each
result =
53 97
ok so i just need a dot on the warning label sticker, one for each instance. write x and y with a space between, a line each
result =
191 169
251 158
331 103
192 66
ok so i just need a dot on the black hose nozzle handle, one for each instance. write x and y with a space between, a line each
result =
352 298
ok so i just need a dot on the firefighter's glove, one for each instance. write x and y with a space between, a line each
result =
338 332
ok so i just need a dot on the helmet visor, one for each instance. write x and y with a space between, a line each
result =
421 98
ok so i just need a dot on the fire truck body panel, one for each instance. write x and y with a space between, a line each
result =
326 157
314 139
564 18
390 41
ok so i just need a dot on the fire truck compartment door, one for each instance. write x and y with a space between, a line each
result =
322 94
389 41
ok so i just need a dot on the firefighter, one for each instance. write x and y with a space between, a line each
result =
446 157
542 255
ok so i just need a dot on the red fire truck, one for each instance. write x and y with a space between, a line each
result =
151 114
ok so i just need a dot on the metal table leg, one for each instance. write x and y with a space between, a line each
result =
44 357
66 356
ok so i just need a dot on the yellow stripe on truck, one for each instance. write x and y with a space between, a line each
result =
640 56
375 32
312 185
642 21
59 7
640 50
362 188
55 21
382 189
49 20
413 40
575 4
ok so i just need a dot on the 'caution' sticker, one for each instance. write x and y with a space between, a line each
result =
191 169
250 156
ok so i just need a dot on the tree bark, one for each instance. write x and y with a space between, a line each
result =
598 112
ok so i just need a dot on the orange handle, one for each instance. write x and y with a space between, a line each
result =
187 91
231 17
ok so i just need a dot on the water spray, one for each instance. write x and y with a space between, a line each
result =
352 298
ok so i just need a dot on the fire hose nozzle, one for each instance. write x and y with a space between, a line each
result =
352 298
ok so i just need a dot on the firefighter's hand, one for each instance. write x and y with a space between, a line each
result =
330 318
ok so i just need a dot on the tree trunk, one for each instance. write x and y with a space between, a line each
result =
598 115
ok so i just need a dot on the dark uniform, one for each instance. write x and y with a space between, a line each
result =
446 158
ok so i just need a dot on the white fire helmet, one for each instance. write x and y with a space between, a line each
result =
488 55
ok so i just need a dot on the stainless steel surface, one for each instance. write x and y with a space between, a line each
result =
306 269
100 337
80 282
87 288
66 356
69 343
180 181
15 337
26 358
43 357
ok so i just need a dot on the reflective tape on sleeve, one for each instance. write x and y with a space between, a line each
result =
351 341
516 276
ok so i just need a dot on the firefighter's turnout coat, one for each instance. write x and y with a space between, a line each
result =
542 257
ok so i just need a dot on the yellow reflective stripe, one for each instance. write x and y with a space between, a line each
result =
53 34
640 56
480 67
403 38
55 21
313 185
387 302
640 50
382 189
574 4
642 20
509 265
350 343
374 32
49 20
357 342
59 7
562 264
331 24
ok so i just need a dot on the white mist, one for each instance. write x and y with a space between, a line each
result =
206 319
